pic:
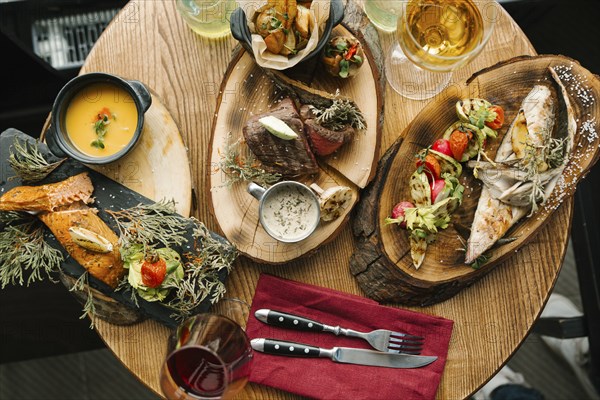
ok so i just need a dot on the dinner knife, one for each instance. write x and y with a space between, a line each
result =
341 354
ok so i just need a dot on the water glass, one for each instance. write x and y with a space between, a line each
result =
208 18
209 357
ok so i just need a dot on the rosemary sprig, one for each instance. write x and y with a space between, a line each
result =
556 152
82 284
239 168
341 113
202 264
28 163
23 248
202 267
148 224
533 159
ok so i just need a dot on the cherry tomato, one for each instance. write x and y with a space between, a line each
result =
499 121
436 188
398 211
105 112
432 165
442 146
153 273
458 143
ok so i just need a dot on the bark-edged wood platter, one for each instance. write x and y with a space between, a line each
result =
249 90
381 262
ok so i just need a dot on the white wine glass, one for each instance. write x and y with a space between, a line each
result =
434 38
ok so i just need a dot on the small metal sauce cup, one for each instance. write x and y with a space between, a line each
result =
262 194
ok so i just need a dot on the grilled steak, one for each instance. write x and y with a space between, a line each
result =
323 141
289 158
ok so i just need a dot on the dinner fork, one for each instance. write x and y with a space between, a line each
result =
380 339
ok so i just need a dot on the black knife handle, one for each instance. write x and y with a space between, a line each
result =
285 348
288 321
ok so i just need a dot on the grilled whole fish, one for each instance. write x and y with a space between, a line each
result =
106 267
505 196
48 197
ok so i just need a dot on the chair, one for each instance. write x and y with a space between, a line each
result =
585 233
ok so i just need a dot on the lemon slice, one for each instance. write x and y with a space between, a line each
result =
278 128
90 240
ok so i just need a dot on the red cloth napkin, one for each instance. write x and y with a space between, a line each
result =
325 379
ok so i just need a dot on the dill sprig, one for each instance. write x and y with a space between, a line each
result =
82 284
28 163
149 224
239 168
340 114
202 268
23 248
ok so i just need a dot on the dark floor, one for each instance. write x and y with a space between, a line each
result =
41 323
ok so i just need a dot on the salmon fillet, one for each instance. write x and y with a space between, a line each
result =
106 267
48 197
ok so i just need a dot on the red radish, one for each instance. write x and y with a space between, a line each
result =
442 146
436 188
398 211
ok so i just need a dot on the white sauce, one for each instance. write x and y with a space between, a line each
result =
290 212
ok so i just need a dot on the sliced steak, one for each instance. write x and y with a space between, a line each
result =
289 158
325 141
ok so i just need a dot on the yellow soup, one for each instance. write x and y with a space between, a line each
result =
101 119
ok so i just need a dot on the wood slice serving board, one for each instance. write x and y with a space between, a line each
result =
158 166
248 90
382 263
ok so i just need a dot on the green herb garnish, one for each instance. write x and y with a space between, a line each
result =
340 114
28 163
80 285
23 248
148 224
344 68
245 169
101 128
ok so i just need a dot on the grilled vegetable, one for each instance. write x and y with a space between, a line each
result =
475 138
333 201
398 213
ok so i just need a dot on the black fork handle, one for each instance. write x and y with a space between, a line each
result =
288 321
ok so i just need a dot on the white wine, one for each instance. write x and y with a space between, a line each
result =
440 35
208 18
384 13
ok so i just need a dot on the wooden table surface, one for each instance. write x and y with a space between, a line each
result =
150 42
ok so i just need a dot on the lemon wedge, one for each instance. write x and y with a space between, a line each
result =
90 240
278 128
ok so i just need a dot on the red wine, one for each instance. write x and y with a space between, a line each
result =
198 371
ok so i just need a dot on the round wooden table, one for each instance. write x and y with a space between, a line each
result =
150 42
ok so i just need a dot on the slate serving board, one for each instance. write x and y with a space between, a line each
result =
109 195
